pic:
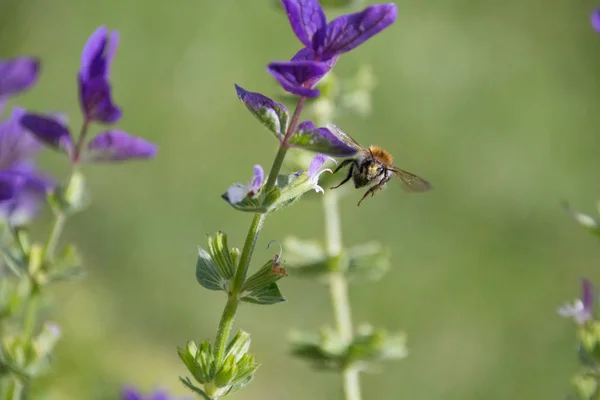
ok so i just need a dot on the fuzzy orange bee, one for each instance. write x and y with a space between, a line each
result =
374 165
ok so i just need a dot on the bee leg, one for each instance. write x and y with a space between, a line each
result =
342 165
350 172
374 189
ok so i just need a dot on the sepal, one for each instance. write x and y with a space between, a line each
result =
72 197
216 266
234 373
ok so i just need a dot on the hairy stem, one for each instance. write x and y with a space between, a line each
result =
225 328
338 289
226 323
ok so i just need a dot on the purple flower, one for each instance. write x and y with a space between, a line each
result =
22 186
17 75
582 309
238 192
315 171
324 42
130 393
299 77
94 86
110 146
595 19
273 115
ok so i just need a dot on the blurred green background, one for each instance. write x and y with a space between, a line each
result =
496 103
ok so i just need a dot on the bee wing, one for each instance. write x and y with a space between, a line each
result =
411 182
344 137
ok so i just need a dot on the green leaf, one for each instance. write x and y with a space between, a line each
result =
586 386
221 255
369 346
324 351
367 262
227 372
188 383
266 275
288 189
13 294
207 274
328 351
198 361
253 205
68 266
13 259
238 346
266 295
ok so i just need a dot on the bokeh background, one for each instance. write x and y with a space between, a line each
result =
496 103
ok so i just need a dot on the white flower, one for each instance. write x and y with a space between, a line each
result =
238 192
581 310
577 311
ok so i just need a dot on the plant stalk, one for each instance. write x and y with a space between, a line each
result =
338 289
226 323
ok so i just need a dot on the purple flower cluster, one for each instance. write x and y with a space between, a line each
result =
22 186
325 42
95 97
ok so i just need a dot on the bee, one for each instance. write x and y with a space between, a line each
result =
373 165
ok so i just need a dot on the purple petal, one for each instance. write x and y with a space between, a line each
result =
273 115
119 146
49 131
320 140
96 102
16 144
587 295
98 54
298 77
595 17
316 164
159 395
307 19
348 31
257 181
130 393
17 75
21 194
10 184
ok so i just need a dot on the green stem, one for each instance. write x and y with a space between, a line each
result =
48 254
226 323
57 228
338 289
351 384
14 389
225 328
33 302
275 168
244 264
